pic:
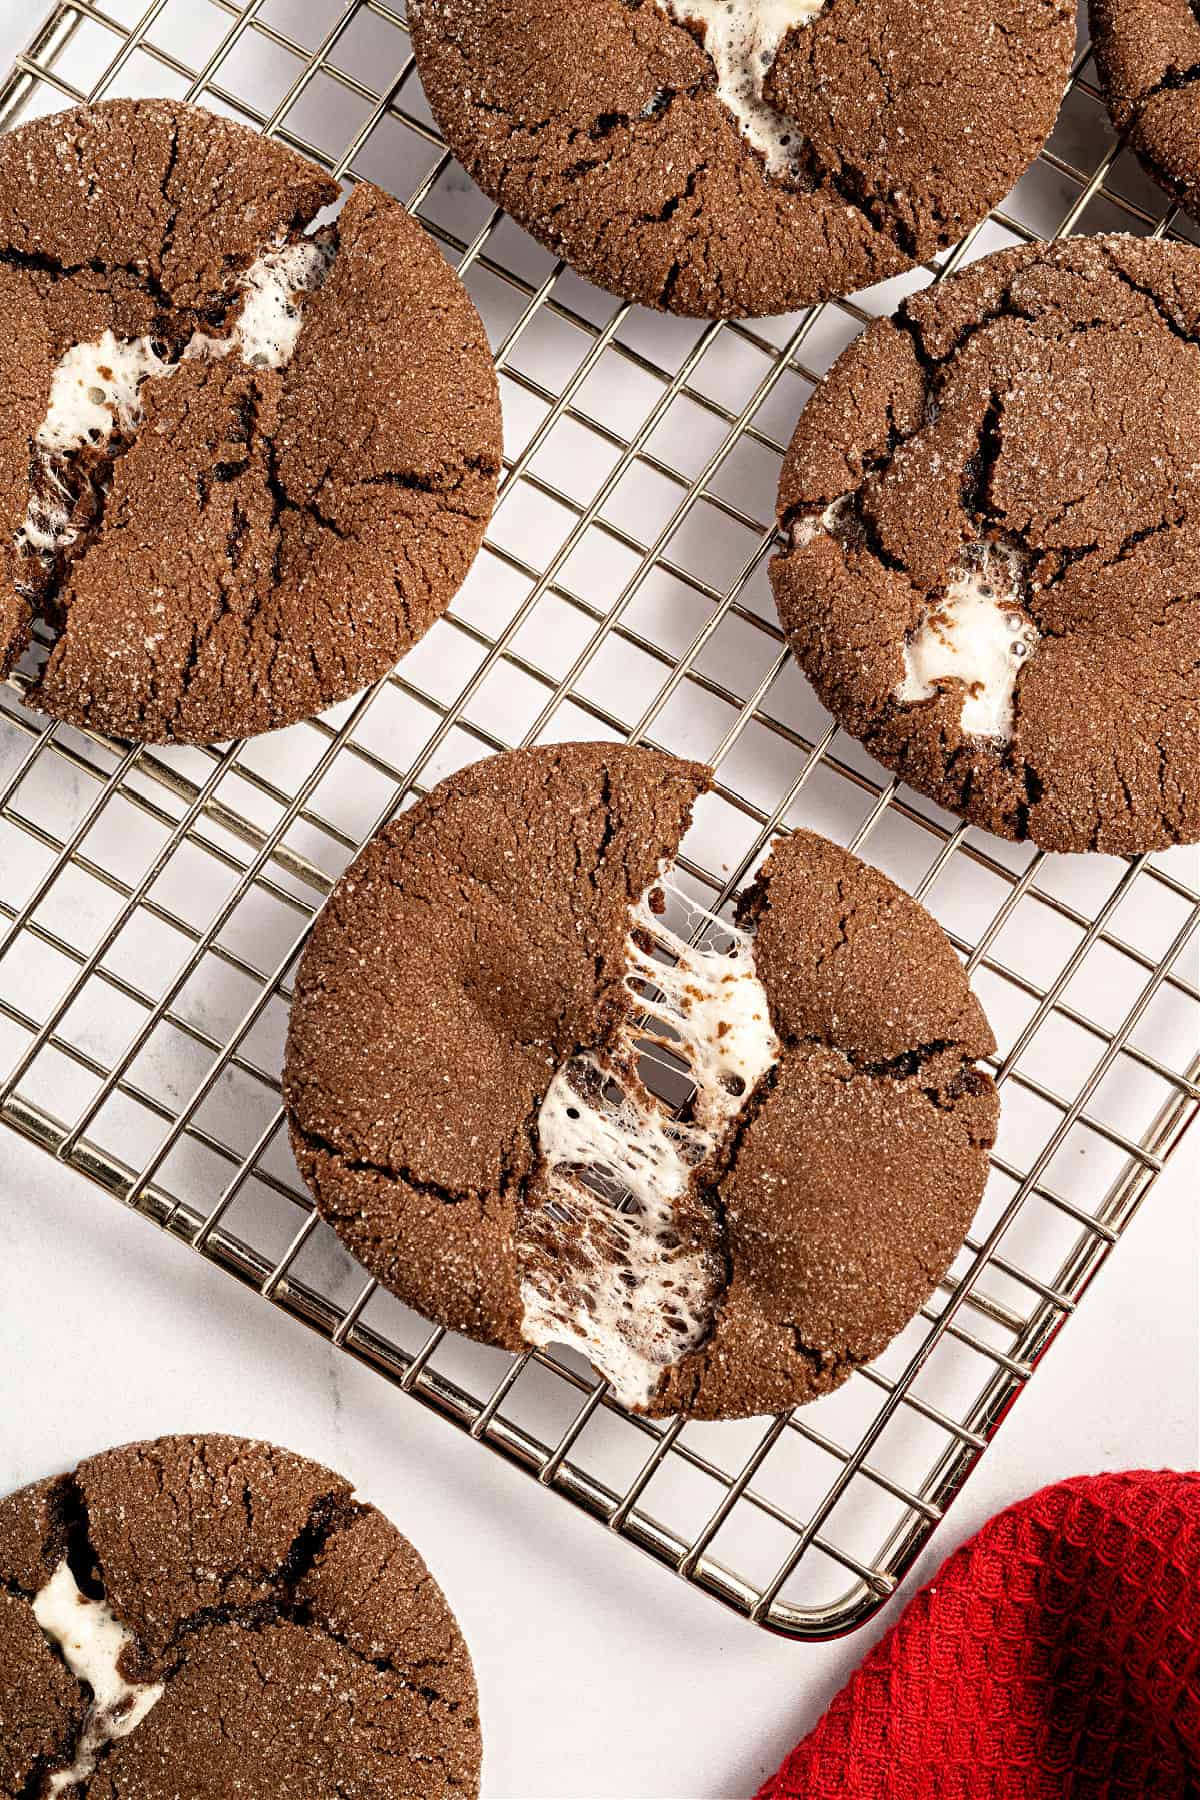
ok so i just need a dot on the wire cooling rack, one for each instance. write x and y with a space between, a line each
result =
154 901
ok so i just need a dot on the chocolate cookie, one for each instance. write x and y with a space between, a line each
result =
1148 56
490 1014
992 565
727 157
206 1616
244 465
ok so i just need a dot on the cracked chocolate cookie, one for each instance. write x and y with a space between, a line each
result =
1148 56
206 1616
733 157
991 571
244 462
545 1099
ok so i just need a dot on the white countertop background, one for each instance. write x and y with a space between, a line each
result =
600 1674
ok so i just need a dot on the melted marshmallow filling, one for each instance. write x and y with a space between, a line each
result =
91 1641
619 1255
743 37
978 633
95 389
827 522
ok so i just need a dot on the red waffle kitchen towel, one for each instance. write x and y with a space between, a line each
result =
1056 1656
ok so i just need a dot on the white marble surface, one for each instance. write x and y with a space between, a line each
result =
601 1675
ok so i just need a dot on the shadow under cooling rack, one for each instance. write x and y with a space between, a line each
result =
154 901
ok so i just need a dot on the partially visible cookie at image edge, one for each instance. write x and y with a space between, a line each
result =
991 566
467 1099
1148 58
209 1615
244 464
717 158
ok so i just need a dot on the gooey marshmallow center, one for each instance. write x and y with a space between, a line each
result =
609 1263
91 1640
742 37
96 386
977 633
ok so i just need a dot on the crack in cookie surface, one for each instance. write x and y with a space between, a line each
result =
1148 58
978 634
96 403
92 1643
743 37
975 634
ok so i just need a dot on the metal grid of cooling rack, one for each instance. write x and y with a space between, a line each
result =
154 901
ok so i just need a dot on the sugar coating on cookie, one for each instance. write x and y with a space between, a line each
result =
742 38
634 1295
1147 55
92 1641
722 158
